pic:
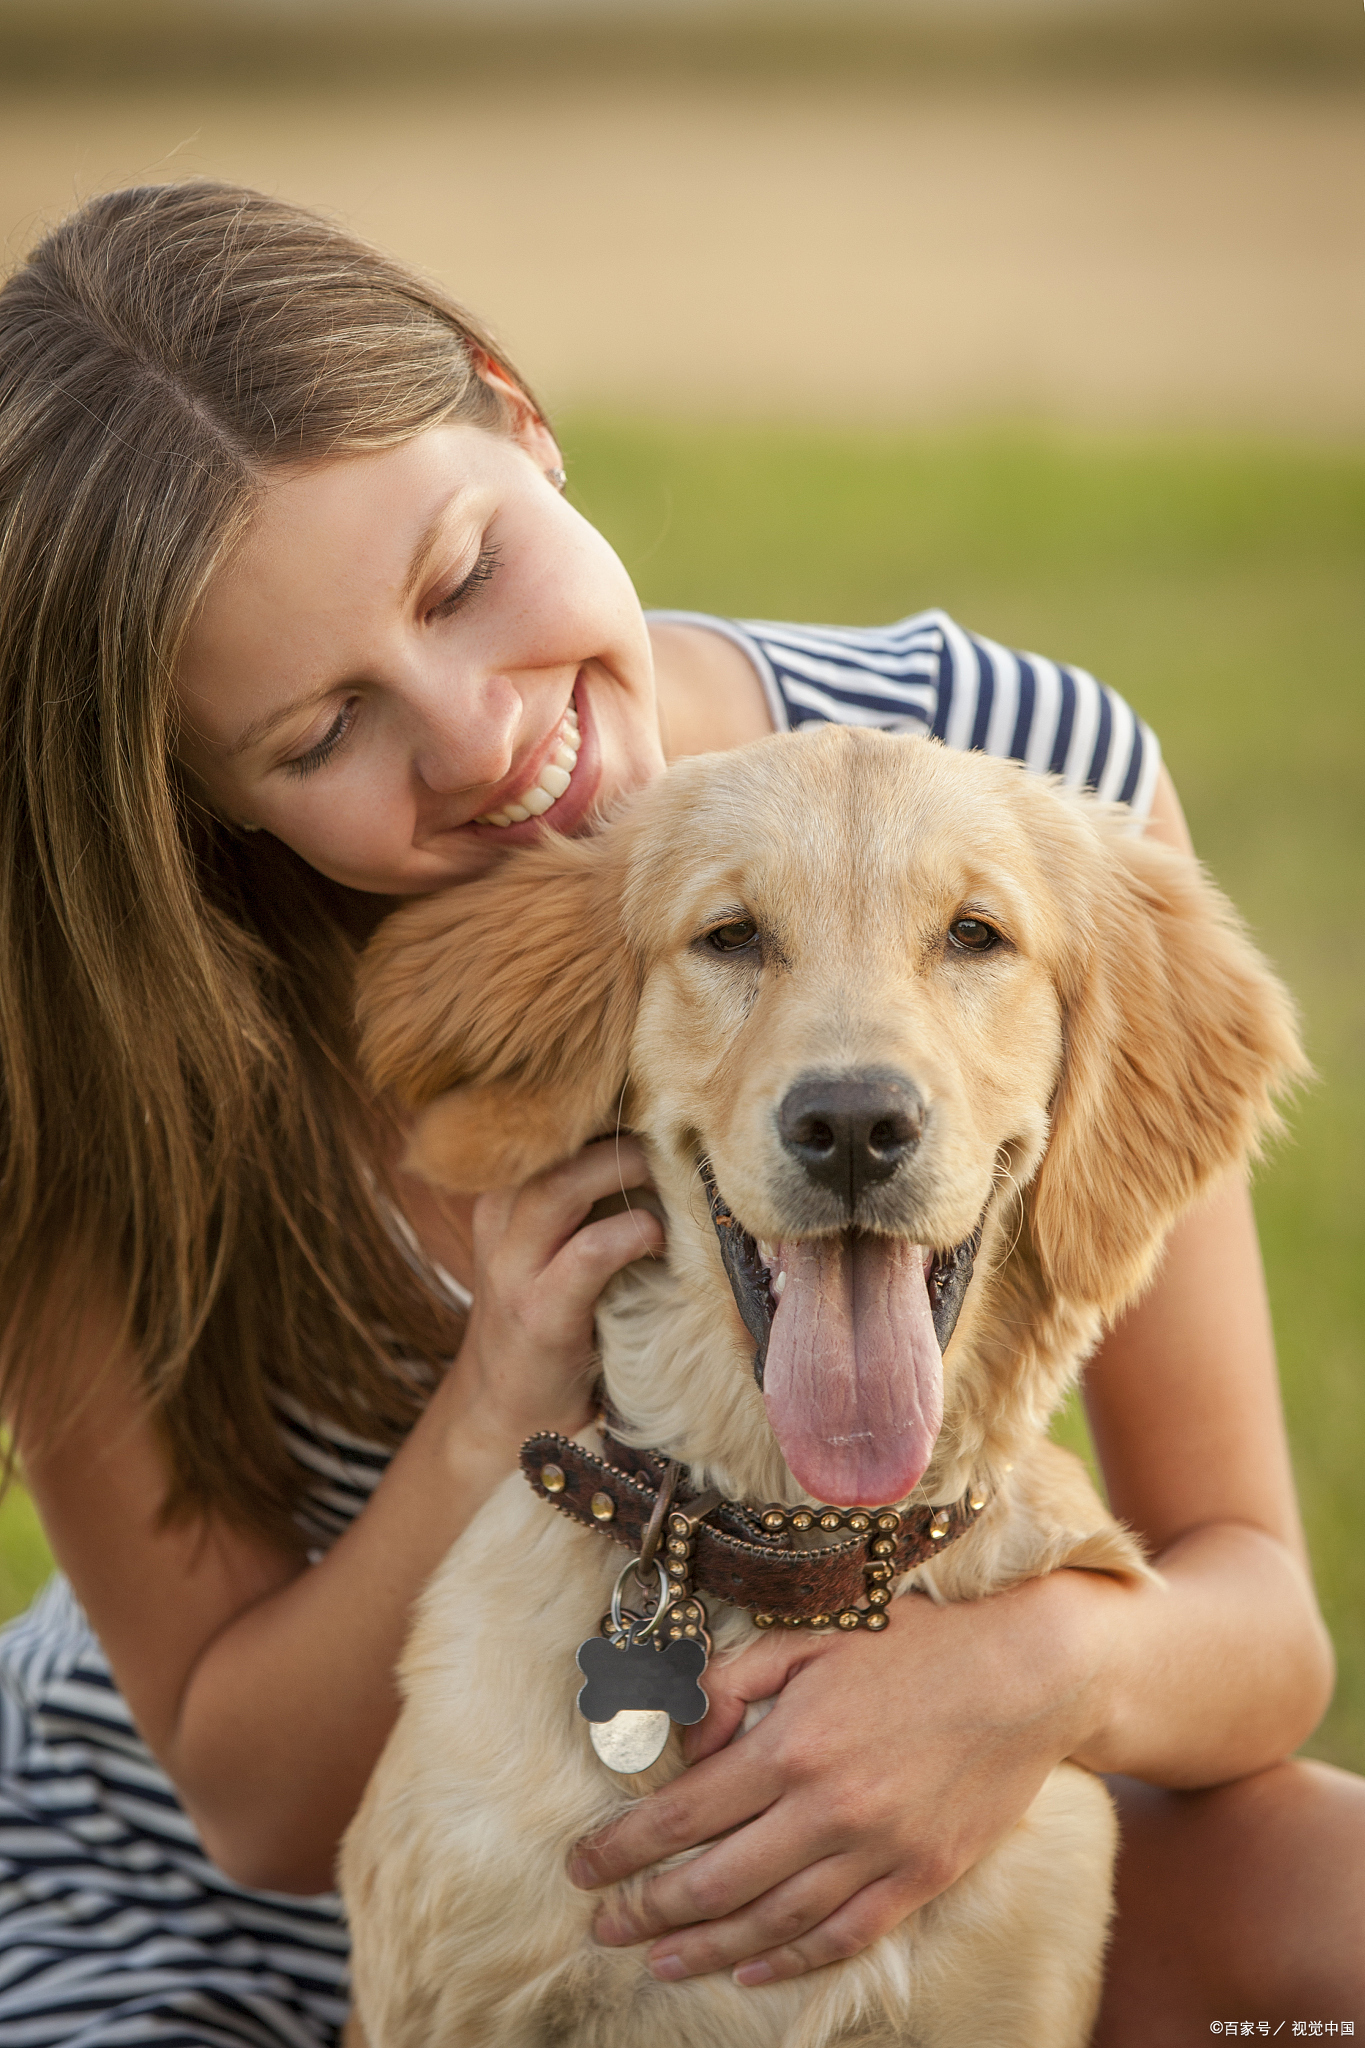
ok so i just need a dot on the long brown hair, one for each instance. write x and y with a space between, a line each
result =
181 1116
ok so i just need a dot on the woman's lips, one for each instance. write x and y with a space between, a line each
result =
574 739
552 778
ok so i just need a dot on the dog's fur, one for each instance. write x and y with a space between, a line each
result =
1084 1082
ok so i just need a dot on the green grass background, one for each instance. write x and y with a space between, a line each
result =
1219 587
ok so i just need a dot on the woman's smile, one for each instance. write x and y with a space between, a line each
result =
556 784
416 656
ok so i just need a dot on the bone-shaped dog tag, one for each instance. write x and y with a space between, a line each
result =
634 1692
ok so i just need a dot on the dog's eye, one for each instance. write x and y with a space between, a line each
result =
972 935
733 938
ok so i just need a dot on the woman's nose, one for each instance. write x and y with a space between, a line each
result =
468 737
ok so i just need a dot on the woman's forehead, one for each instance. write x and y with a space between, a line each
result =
383 503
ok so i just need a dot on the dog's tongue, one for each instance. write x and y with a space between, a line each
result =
854 1380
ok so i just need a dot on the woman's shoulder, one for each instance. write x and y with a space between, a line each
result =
927 674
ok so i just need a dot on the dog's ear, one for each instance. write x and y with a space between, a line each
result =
1177 1039
503 1009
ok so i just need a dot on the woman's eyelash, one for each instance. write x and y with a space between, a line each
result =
478 575
304 764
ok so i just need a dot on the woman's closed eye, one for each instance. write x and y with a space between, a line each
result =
307 763
467 587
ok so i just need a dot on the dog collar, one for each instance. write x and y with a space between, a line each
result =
749 1556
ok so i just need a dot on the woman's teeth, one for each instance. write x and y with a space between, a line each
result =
549 785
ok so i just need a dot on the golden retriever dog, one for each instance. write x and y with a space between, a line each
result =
878 1011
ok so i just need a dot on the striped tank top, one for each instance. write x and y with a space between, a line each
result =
114 1926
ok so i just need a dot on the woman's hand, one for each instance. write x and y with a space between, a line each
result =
527 1360
887 1766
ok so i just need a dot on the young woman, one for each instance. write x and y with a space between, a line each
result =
294 621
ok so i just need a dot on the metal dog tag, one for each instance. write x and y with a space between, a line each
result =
631 1741
634 1692
637 1684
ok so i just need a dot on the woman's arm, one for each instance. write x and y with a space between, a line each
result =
264 1685
890 1764
1211 1495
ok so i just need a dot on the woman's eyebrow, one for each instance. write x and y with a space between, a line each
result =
259 728
426 547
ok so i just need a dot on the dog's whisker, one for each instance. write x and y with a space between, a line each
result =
696 1187
620 1171
1001 1172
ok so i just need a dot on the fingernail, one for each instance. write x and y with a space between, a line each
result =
754 1973
670 1968
611 1930
581 1873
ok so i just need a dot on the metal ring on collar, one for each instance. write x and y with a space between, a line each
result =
617 1619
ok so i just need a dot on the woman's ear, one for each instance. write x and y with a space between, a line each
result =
529 429
1177 1039
503 1008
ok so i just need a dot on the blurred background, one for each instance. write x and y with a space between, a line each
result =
1053 314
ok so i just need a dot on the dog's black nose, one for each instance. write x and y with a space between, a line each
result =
851 1130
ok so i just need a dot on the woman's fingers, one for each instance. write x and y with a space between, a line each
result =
766 1878
762 1885
552 1205
539 1268
721 1882
586 1263
788 1893
534 1240
578 1258
757 1674
778 1918
722 1911
854 1925
709 1801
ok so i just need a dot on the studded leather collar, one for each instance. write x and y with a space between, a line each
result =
752 1557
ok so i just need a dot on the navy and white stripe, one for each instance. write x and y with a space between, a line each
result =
345 1471
114 1926
926 675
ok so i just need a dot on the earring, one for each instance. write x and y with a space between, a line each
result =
557 478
